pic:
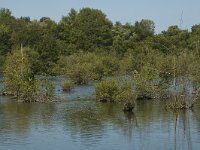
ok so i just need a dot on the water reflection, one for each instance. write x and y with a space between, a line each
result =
17 119
86 124
182 129
91 122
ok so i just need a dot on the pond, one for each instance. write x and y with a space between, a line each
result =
78 122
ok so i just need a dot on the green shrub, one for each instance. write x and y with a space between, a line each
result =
108 64
114 91
84 67
106 91
79 68
143 81
125 92
67 85
81 73
128 63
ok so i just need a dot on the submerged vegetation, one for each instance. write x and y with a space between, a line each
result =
86 46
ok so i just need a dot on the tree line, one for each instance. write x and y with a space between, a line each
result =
85 45
87 30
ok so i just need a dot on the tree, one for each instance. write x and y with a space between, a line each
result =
48 51
5 39
17 73
124 38
144 28
5 12
5 43
70 19
194 39
91 30
6 18
65 33
177 38
20 81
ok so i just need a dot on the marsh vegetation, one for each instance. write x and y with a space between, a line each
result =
126 62
85 82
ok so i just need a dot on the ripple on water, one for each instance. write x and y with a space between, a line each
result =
79 122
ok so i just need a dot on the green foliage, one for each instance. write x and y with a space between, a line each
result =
163 76
106 91
134 59
48 54
6 17
91 30
78 68
20 81
126 92
144 28
115 91
70 19
127 65
67 85
84 67
124 38
33 57
17 72
154 76
5 43
86 46
105 65
176 39
81 73
5 39
144 81
2 59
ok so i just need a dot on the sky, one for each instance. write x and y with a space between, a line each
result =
163 12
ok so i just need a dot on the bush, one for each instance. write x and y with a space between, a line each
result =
84 67
78 67
115 91
106 91
106 65
125 92
80 73
67 85
143 81
154 77
128 63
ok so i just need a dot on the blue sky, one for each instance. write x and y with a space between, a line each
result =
163 12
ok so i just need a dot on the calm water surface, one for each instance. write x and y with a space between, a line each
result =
81 123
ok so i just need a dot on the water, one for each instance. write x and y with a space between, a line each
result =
81 123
